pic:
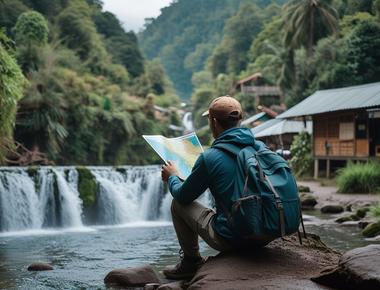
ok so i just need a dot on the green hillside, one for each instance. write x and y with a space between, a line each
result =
74 86
187 32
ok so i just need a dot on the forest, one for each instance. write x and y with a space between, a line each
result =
78 89
75 88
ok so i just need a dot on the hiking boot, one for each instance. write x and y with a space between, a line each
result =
185 269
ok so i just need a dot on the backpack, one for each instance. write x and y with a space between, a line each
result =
265 201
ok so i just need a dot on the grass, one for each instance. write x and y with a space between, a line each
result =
359 178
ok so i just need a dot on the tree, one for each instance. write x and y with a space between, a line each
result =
11 88
31 33
307 21
364 52
231 56
31 28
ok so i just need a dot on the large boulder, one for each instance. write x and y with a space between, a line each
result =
357 269
132 277
332 208
40 267
280 265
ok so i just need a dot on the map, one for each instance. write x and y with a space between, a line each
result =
183 150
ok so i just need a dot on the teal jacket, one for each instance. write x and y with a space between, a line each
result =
214 169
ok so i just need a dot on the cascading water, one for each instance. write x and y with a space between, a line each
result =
187 122
19 202
49 197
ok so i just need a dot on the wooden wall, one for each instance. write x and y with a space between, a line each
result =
335 135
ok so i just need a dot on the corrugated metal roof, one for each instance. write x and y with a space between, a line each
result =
363 96
265 125
253 118
285 127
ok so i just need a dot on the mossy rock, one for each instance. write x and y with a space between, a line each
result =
362 212
344 219
371 230
32 171
302 188
87 186
349 218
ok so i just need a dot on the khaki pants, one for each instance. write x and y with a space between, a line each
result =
191 221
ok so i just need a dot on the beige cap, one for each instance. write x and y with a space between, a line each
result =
224 108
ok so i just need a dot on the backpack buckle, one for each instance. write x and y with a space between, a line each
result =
279 204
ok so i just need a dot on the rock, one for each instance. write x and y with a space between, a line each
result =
132 277
303 188
344 219
151 286
279 265
178 285
350 218
362 212
40 267
366 221
371 230
332 208
357 269
307 201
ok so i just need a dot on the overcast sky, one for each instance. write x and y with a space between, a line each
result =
132 12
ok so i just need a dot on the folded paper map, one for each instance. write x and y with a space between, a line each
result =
183 151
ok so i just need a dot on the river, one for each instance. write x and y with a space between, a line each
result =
43 219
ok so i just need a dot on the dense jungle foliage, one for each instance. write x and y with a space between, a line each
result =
81 84
85 90
302 46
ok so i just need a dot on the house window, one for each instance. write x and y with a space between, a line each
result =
346 131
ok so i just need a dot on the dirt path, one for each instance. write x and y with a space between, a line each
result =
329 195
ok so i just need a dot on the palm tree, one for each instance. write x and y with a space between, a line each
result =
307 21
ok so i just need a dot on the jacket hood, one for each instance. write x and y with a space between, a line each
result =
240 137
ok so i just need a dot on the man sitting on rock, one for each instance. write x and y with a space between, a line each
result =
214 169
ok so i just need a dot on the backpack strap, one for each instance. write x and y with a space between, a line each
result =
230 148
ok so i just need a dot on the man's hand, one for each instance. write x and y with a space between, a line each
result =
168 170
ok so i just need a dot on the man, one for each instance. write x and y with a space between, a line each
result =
214 169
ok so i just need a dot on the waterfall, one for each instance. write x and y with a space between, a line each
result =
18 201
187 122
71 204
49 197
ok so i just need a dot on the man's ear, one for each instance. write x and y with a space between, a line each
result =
214 122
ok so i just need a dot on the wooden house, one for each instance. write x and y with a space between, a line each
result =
264 94
346 124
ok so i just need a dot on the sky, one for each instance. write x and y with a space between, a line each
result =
131 13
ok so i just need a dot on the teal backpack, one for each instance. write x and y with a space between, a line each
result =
265 201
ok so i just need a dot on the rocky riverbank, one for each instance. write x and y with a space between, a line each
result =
281 265
347 209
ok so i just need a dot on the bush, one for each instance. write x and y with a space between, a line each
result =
300 149
359 178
